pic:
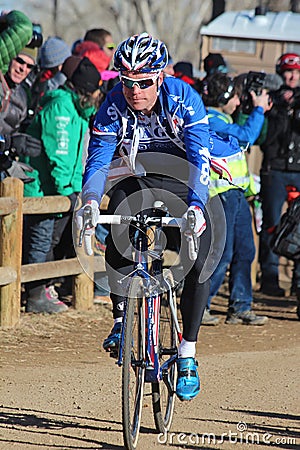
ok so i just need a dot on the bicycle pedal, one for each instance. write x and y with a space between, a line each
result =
113 352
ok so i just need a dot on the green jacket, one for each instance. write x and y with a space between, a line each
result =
60 125
15 36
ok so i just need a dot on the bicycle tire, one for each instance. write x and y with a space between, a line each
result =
162 400
133 369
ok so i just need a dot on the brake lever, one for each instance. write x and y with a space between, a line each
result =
191 224
87 223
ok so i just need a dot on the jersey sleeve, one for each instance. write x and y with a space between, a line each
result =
198 144
102 146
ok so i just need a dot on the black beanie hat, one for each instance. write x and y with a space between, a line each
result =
214 62
70 65
86 77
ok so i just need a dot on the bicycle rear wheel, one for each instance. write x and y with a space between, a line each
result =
163 392
133 369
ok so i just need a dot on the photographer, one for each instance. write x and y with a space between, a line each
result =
15 32
221 98
280 167
254 82
16 62
16 143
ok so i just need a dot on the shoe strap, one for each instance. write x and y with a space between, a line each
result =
187 373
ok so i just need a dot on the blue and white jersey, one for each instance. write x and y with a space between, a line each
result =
178 126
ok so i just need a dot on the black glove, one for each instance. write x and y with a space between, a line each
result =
5 159
5 162
26 145
2 143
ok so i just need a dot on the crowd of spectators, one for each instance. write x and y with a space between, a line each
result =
50 92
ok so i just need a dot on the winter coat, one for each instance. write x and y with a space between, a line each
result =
16 111
281 148
60 125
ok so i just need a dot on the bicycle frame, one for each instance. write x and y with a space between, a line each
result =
150 316
152 285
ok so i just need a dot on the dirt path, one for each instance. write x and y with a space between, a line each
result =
60 391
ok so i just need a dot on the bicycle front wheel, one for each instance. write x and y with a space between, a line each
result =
163 392
133 369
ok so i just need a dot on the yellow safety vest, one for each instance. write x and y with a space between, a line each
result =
241 178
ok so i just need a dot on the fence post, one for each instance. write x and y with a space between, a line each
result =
11 229
83 283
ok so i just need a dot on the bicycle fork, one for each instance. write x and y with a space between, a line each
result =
152 338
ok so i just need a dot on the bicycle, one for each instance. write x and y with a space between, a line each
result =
150 333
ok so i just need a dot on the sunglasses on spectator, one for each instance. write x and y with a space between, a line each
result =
21 61
142 83
110 46
295 60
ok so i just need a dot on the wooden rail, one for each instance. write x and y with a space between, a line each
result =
12 273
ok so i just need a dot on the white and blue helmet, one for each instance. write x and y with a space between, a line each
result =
141 53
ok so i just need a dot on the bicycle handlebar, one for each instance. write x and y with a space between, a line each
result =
117 219
87 223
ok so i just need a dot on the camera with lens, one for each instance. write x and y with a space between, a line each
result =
37 36
254 81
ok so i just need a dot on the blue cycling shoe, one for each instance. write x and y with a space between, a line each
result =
188 381
112 342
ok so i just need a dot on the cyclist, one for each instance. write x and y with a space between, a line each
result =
158 125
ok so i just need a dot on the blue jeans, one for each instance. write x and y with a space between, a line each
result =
38 231
238 253
37 239
274 194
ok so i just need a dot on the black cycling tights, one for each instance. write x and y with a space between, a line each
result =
131 196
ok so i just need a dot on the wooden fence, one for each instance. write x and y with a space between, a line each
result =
12 273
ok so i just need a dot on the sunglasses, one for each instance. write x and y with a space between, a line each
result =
110 46
21 61
142 83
